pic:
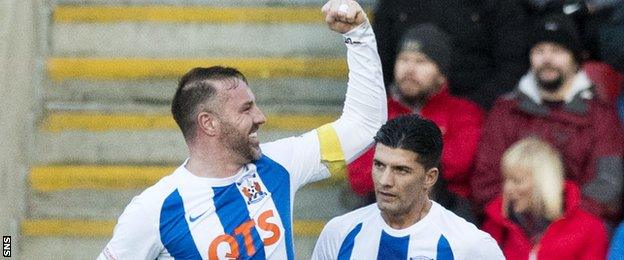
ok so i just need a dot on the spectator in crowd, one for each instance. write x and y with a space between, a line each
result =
616 252
538 214
600 24
488 39
589 17
555 101
422 88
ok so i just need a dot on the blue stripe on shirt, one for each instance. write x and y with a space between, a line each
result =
347 245
392 247
444 249
277 180
174 231
232 211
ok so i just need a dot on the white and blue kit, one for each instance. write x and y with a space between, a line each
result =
441 235
249 215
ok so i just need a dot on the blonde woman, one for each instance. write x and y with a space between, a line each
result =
538 216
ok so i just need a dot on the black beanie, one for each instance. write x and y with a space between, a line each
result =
431 41
558 29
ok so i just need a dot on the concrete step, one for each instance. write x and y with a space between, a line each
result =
99 121
59 69
135 138
298 94
70 248
190 32
314 3
187 14
154 147
80 248
166 40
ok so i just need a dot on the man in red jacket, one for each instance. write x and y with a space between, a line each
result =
555 101
421 87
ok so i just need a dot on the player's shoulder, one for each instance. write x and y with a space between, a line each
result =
350 220
285 145
153 197
465 236
457 227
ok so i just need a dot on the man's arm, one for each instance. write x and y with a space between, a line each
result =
364 110
485 247
605 187
134 236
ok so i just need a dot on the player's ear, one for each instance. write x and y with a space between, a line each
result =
431 176
207 122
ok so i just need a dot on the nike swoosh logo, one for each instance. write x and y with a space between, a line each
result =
192 219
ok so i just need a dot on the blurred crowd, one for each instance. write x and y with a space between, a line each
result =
527 96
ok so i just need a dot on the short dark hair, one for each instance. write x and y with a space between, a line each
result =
416 134
195 89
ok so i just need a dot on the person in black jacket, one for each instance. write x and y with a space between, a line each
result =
488 38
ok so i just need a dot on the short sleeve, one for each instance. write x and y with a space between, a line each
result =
135 236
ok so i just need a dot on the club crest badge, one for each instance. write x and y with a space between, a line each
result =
251 188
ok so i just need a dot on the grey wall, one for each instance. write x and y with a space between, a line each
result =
20 76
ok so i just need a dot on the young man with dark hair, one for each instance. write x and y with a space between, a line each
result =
404 223
232 198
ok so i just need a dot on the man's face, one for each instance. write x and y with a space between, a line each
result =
239 119
417 76
401 182
552 65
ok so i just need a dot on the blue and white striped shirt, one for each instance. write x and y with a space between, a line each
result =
442 235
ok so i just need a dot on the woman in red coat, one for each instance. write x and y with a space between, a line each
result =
538 215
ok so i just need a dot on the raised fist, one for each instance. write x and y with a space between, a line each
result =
343 15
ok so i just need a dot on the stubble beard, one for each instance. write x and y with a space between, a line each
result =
239 143
420 97
549 85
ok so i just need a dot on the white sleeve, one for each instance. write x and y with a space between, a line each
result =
300 156
363 114
135 236
365 108
485 248
328 243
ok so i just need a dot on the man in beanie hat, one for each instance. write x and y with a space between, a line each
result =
488 40
421 87
555 101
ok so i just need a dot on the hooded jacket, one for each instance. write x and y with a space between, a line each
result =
584 129
576 235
